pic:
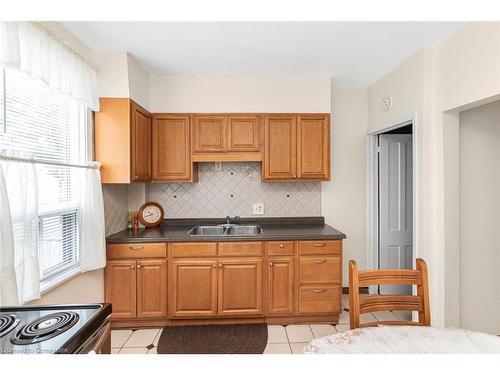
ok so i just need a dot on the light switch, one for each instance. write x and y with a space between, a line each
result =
258 208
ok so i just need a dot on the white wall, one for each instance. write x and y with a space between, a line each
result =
112 74
85 288
138 82
404 85
343 199
437 83
239 94
468 65
479 218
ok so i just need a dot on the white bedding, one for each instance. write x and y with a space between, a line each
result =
404 339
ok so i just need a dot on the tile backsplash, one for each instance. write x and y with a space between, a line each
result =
232 191
115 199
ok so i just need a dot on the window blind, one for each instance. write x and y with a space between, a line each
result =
49 125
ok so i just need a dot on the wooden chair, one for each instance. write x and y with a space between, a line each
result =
372 303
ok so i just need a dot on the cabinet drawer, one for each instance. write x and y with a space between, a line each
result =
240 248
280 248
193 249
319 299
136 250
320 247
320 269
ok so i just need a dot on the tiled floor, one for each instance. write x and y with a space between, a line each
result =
281 340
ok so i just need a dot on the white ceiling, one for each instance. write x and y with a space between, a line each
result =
356 53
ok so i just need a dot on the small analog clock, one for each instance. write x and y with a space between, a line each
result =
151 214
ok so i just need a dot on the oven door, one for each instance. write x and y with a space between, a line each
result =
99 342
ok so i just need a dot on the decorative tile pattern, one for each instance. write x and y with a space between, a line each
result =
233 191
115 207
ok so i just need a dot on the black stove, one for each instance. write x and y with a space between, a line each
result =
52 328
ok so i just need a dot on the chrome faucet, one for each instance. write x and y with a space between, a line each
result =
228 219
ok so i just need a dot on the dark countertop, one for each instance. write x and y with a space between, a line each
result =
175 230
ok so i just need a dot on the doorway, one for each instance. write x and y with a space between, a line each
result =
392 193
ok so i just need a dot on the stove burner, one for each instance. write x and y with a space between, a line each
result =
45 328
7 323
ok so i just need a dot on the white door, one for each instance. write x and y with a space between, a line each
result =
395 206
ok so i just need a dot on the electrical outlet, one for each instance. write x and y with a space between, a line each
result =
218 166
258 208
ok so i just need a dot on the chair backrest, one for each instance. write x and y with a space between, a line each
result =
378 302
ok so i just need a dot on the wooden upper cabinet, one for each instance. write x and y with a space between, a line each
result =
120 278
313 146
243 133
193 288
141 143
209 133
240 287
297 147
123 141
226 137
151 288
280 151
171 151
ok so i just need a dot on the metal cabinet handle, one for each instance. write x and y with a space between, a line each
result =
294 176
319 290
136 247
282 245
299 176
320 244
138 266
214 265
319 261
132 266
271 264
220 265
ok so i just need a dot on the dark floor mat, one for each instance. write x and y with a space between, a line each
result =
214 339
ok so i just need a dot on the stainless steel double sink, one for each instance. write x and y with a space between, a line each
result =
226 230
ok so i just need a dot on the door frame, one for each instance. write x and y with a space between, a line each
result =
372 188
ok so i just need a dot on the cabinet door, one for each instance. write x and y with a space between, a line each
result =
240 287
243 133
151 288
280 151
194 288
280 285
141 143
120 283
209 133
313 144
171 148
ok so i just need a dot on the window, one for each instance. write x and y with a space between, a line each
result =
52 127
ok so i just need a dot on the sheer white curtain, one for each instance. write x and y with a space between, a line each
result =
8 286
19 248
92 245
27 46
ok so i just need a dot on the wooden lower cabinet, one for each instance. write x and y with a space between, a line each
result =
151 288
240 287
193 287
319 299
121 288
280 286
137 288
279 282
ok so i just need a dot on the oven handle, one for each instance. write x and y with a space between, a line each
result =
102 339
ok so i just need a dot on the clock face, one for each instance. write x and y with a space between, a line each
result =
151 214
